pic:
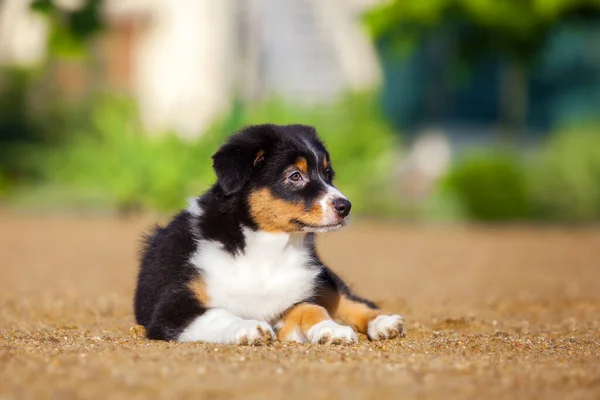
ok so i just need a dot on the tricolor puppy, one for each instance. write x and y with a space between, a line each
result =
240 262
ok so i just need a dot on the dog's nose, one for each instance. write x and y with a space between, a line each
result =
342 206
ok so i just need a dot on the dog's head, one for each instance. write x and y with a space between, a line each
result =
285 178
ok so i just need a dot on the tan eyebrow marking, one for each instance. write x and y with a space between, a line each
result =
259 157
302 164
325 163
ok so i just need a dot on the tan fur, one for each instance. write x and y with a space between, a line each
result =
302 165
274 215
259 157
325 163
302 317
198 287
353 313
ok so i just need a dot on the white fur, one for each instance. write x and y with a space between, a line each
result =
272 274
331 332
385 326
193 207
221 326
330 220
329 214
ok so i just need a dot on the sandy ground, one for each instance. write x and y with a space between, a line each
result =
509 312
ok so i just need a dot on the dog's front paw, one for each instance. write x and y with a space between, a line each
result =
386 327
329 332
253 333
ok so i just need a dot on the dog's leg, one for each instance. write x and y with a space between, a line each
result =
310 322
181 315
176 307
218 325
363 315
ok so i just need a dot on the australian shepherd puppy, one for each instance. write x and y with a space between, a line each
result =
239 265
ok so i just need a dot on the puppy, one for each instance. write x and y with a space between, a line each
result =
240 263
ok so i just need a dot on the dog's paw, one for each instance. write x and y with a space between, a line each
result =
253 333
329 332
386 327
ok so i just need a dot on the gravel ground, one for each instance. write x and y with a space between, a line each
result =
511 312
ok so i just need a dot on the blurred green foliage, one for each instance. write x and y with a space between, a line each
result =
490 186
566 179
115 158
28 120
561 183
16 126
512 33
98 156
97 152
516 28
70 30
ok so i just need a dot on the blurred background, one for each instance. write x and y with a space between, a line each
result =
443 110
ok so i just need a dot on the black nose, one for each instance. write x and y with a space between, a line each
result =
342 206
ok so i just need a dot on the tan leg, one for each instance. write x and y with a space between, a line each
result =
312 323
363 318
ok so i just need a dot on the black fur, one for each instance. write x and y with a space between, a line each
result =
330 280
163 303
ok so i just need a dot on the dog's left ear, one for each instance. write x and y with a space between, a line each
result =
233 164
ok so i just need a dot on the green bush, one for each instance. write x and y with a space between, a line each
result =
18 126
566 179
489 186
33 116
115 158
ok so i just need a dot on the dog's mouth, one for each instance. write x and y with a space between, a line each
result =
319 228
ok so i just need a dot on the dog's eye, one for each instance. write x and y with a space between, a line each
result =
296 176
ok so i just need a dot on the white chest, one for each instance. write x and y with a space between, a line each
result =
271 275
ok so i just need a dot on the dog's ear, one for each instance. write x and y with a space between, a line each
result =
233 163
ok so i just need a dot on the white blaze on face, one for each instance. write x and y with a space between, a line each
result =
330 220
330 216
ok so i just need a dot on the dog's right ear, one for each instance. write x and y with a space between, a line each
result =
234 161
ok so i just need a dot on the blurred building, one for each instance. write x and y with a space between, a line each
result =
186 60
